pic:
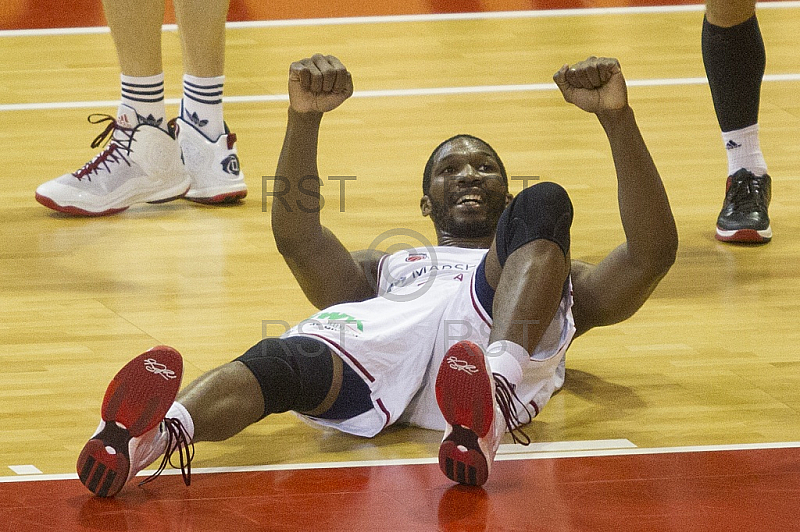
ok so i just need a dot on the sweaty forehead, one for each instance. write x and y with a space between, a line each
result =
463 146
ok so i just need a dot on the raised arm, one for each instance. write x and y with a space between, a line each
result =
325 270
614 289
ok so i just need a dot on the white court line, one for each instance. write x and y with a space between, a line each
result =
564 446
651 450
547 13
25 469
432 460
389 93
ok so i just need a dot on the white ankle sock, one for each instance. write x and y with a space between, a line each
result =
506 358
179 412
202 105
145 95
744 151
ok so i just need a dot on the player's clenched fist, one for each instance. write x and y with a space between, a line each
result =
595 85
319 83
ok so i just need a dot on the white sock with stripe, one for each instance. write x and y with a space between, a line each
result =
202 105
145 95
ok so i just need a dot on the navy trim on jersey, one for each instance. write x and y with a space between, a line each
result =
484 292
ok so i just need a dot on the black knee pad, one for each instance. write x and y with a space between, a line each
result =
294 373
543 210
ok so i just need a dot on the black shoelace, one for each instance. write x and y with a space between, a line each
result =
116 151
506 397
746 193
177 440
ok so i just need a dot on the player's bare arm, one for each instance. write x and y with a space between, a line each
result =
324 268
614 289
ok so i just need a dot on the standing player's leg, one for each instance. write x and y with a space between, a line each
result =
141 161
527 266
734 59
209 148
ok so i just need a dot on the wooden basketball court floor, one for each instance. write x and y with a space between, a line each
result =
685 417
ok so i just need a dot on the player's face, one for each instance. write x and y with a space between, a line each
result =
467 192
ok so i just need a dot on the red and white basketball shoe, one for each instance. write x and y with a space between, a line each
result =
212 165
140 164
478 406
134 432
465 392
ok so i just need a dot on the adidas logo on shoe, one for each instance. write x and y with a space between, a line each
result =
124 121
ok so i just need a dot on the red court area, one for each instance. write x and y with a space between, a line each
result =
28 14
686 491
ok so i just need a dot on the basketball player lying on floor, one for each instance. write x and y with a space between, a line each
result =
474 346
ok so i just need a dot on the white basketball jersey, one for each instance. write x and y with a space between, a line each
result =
426 302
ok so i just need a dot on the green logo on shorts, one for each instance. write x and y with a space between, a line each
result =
340 317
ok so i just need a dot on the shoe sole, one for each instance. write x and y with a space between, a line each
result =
136 401
228 197
167 200
744 236
464 396
77 211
